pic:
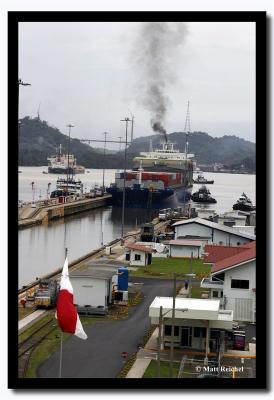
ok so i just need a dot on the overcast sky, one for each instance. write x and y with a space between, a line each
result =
84 74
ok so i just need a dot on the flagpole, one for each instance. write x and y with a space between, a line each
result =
61 355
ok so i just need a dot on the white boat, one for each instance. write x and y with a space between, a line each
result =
64 164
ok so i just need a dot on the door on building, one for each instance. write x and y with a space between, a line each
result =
186 337
148 259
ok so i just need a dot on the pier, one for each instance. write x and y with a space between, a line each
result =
29 216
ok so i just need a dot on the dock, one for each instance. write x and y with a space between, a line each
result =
29 216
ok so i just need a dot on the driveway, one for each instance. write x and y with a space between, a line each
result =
100 355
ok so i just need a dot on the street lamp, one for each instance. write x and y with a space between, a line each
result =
126 120
161 316
105 133
68 168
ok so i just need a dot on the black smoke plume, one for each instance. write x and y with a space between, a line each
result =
155 65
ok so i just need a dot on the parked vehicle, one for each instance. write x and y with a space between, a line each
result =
239 340
46 293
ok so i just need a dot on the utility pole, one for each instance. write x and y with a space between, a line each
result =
132 124
126 120
105 133
159 343
68 173
172 328
191 274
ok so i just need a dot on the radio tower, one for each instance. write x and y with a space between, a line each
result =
187 129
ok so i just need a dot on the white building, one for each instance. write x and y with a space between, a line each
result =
138 255
93 287
211 232
233 278
197 324
185 248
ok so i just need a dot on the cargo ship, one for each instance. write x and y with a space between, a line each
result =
64 164
160 178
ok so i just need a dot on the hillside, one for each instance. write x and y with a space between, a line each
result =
38 140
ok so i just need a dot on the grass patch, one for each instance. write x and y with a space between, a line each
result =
151 371
165 267
196 292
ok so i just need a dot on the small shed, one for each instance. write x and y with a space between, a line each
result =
185 248
138 254
93 287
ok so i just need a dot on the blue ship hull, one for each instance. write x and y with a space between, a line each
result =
145 198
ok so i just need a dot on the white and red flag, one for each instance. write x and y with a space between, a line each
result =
67 316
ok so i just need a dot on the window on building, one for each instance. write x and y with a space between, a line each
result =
220 243
215 293
168 330
239 284
137 257
200 332
238 243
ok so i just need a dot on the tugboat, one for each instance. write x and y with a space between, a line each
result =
203 196
201 179
244 204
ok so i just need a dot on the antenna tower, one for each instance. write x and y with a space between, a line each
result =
187 129
187 123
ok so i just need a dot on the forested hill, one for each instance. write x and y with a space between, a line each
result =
38 140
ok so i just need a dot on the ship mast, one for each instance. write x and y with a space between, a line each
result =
68 166
187 129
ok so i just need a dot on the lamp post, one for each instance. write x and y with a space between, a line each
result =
68 168
126 120
105 133
161 316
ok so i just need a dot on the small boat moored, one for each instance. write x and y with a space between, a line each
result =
202 180
203 196
244 204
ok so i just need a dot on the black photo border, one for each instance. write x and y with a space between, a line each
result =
260 19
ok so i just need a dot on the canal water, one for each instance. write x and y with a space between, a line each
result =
42 248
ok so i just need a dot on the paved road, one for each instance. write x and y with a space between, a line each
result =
100 355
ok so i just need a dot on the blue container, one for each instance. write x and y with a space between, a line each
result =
123 279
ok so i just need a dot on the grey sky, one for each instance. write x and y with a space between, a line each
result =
82 73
